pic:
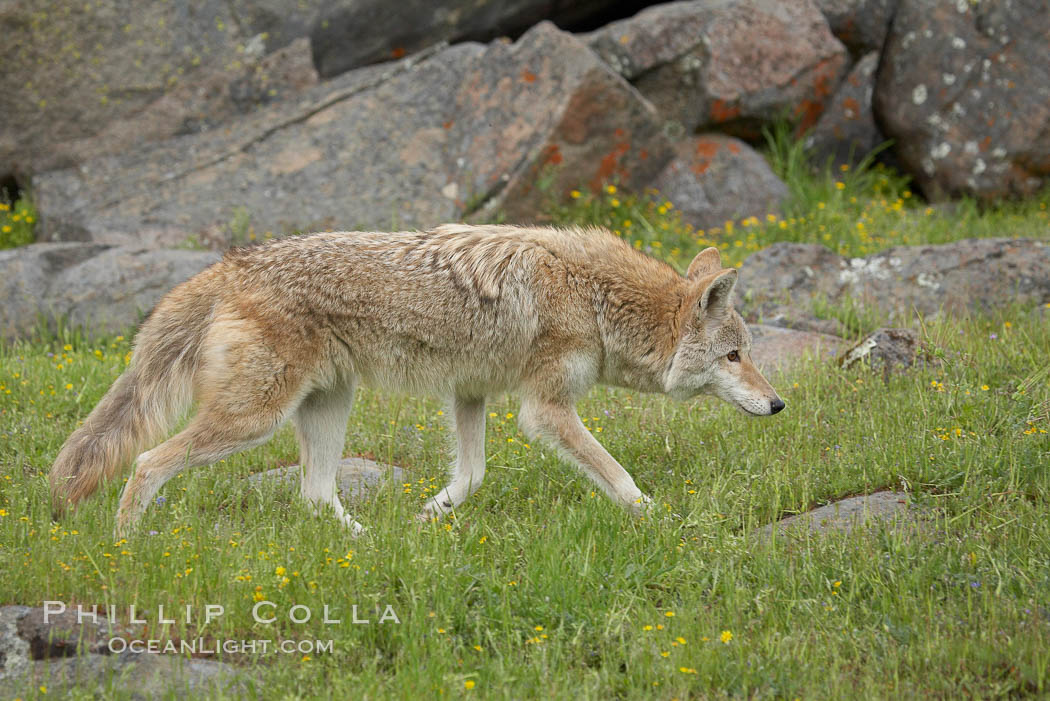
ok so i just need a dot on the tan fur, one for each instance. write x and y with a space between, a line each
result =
288 329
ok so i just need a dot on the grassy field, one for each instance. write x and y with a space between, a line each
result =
541 588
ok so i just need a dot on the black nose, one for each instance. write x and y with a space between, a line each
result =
776 405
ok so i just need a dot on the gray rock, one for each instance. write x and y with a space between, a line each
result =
357 477
140 676
714 178
774 349
88 78
106 288
859 24
61 652
964 91
14 651
954 277
425 141
848 515
887 349
846 132
733 65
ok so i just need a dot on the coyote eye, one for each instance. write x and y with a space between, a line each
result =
733 357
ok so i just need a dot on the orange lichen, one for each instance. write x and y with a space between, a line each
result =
721 111
610 165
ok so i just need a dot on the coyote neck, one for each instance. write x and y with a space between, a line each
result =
640 326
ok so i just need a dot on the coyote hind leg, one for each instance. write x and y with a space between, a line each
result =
210 437
320 427
469 469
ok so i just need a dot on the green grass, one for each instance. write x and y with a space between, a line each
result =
958 609
542 588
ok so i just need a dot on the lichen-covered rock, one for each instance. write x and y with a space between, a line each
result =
83 79
714 178
964 90
428 140
735 64
87 284
846 133
953 277
859 24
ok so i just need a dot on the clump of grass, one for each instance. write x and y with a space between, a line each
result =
16 223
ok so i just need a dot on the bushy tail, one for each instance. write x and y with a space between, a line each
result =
137 411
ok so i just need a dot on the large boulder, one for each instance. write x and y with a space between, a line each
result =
964 90
347 34
102 287
859 24
846 133
734 64
431 139
76 71
981 274
714 178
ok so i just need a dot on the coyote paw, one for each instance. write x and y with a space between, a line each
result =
438 506
642 506
356 529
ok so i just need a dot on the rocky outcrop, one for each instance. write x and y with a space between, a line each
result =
846 132
952 277
964 90
428 140
714 178
82 284
733 65
86 79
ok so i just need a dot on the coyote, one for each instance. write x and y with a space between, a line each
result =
287 330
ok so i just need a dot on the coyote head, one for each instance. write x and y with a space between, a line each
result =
713 355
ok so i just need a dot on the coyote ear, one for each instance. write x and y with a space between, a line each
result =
717 298
706 262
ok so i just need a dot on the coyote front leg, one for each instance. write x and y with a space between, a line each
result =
469 470
560 426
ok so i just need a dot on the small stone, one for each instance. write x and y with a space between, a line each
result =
887 349
357 478
847 515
